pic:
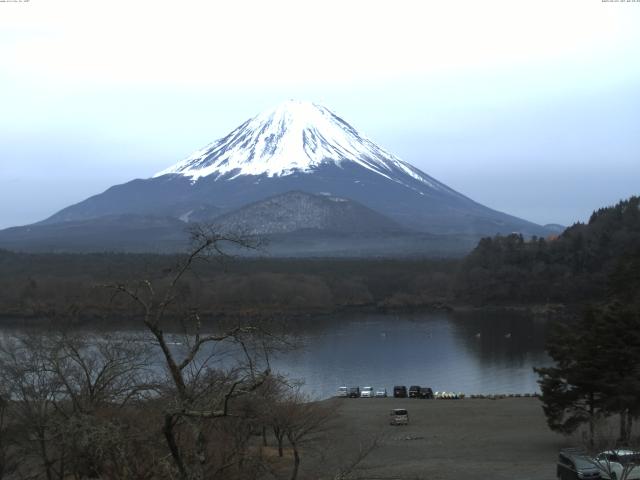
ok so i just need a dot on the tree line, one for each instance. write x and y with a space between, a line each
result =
33 285
586 262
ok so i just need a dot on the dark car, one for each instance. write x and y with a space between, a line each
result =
400 391
414 391
575 464
354 392
426 392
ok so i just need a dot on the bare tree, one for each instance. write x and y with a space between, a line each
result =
303 421
105 370
67 396
8 460
199 387
33 388
99 376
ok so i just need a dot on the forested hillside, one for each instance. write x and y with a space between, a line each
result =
586 262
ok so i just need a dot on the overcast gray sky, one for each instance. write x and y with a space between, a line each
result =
532 108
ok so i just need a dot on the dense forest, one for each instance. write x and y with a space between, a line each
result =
36 285
586 263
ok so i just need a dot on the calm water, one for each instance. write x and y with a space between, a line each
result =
471 353
479 352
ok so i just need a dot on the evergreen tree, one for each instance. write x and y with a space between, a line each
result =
619 333
571 392
597 371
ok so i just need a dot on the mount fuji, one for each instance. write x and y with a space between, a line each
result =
297 146
295 137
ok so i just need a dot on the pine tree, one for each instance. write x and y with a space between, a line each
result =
597 371
571 391
619 332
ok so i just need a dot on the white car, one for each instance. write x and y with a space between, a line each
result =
619 464
343 392
381 392
366 392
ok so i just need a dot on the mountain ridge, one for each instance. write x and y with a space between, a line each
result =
298 146
296 210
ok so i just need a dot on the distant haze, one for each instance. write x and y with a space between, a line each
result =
531 108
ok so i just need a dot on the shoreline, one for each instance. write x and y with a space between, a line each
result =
537 309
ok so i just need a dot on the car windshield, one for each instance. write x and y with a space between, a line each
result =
400 412
367 389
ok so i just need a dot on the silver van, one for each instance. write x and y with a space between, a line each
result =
399 416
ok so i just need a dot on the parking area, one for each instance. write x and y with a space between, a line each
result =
498 439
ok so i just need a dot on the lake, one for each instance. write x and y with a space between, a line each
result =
475 352
478 352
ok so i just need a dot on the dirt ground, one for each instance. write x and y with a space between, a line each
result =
445 440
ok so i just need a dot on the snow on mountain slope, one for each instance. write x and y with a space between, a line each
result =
298 146
296 137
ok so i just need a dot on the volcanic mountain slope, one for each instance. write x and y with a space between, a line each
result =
297 147
121 233
293 224
303 147
295 211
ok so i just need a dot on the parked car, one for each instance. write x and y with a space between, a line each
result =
399 416
343 392
354 392
400 391
426 392
446 395
366 392
575 464
381 392
615 464
414 391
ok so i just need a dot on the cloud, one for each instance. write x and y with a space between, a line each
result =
185 43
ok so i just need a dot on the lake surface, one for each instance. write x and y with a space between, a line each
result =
479 352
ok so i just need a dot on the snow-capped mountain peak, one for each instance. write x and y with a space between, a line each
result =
295 136
296 147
